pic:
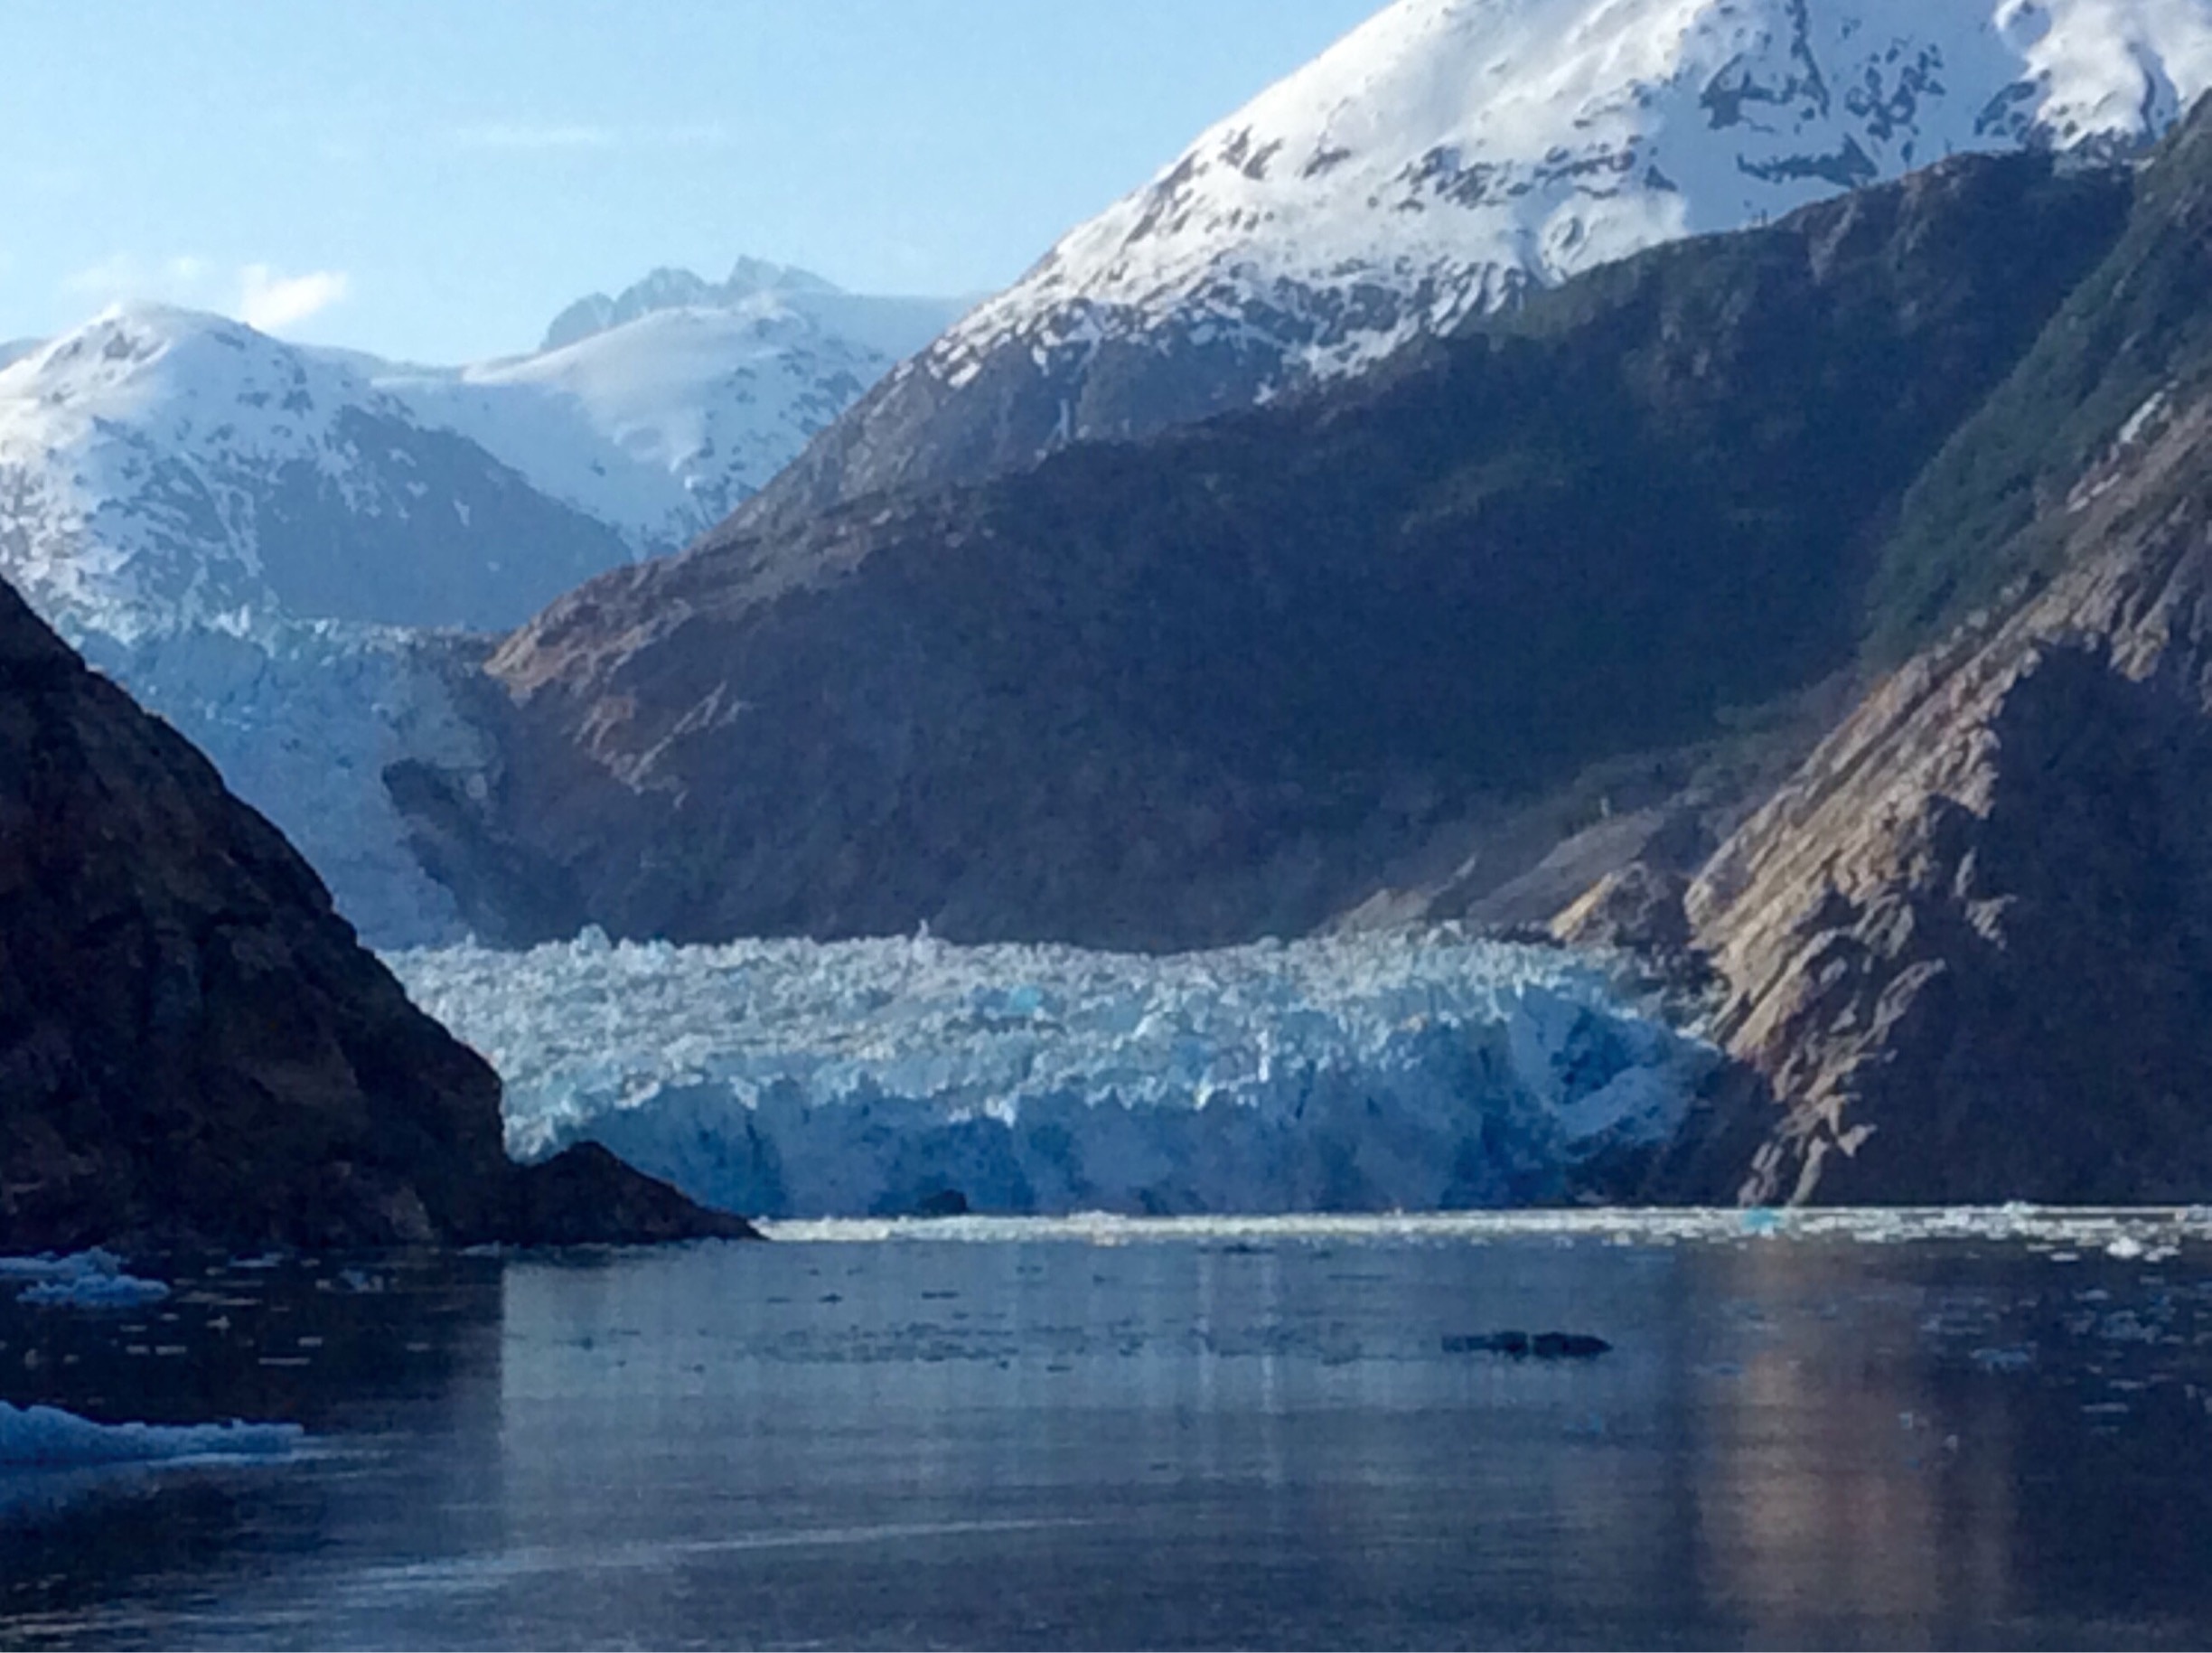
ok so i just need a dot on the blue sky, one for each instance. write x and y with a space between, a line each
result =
434 179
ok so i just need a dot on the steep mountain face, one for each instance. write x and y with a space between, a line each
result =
1969 946
1203 688
1451 155
159 468
193 1046
659 410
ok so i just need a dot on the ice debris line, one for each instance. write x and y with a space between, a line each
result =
46 1437
798 1079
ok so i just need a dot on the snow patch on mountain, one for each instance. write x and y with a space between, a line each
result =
1386 1071
1450 153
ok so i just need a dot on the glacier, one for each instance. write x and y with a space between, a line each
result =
1423 1070
302 718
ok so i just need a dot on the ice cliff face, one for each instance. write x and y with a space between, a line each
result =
1450 154
788 1078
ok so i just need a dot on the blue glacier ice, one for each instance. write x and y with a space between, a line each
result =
1429 1070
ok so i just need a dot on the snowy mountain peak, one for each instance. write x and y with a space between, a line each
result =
670 404
1449 152
161 468
194 375
669 288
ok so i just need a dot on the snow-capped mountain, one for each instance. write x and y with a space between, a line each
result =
1450 153
250 535
161 468
657 412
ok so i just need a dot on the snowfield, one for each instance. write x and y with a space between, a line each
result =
797 1079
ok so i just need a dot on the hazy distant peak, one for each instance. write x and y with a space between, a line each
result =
669 287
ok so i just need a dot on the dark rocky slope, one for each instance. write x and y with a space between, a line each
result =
1968 948
1220 683
1970 945
193 1047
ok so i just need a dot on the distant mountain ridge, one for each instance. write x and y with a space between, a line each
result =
1449 157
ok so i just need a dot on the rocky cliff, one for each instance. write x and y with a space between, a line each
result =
192 1046
1968 948
1970 945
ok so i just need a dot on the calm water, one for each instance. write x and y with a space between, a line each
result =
1184 1439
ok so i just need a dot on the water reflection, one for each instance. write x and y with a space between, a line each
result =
1172 1443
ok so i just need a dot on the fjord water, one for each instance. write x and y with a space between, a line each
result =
1137 1434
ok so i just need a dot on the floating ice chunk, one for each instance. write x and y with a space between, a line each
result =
1412 1071
81 1280
95 1291
46 1437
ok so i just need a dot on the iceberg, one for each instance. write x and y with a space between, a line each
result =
47 1438
1414 1071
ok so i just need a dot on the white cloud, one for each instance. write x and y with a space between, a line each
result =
259 295
269 301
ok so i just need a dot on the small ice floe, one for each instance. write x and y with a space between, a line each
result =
82 1280
46 1437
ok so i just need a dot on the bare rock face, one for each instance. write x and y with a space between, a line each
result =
1969 946
193 1045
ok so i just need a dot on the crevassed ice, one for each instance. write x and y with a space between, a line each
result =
1414 1071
